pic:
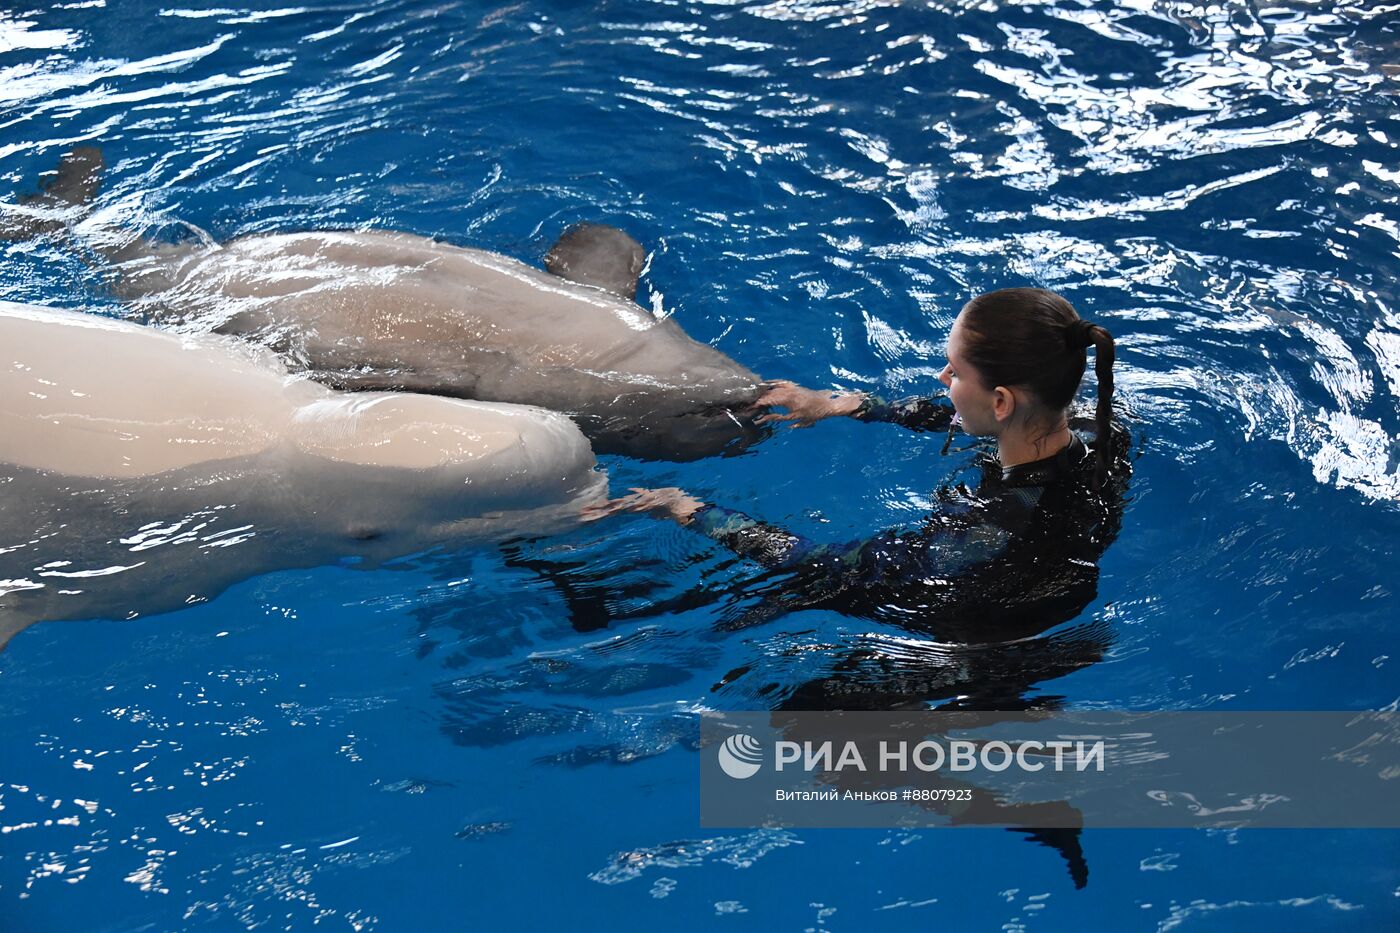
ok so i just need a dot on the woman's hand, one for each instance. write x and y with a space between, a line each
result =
667 502
805 406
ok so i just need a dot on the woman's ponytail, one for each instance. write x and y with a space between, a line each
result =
1104 353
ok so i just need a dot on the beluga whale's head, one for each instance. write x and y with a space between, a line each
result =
388 468
655 393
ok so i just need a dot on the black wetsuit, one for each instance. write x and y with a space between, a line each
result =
1005 560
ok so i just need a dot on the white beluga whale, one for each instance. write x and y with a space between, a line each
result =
383 310
142 470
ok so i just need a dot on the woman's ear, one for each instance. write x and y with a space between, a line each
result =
1003 403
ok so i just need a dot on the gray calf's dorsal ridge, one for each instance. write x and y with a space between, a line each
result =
598 255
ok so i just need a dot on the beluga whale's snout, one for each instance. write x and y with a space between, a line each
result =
719 429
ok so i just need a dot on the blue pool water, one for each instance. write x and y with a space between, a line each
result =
445 742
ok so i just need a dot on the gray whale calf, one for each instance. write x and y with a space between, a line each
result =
380 310
384 310
143 470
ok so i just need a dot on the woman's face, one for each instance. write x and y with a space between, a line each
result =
976 405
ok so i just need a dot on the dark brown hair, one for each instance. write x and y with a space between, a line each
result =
1034 339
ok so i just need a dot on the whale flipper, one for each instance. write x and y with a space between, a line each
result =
598 255
12 622
75 181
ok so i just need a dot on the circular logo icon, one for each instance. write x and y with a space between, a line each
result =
741 756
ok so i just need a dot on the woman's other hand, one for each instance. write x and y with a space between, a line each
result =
667 502
805 407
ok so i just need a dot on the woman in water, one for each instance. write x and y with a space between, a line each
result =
1027 538
994 566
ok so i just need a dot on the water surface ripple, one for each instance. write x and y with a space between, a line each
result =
507 738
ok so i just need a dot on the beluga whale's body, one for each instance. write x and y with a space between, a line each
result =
143 470
385 310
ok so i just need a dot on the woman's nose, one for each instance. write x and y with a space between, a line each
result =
944 378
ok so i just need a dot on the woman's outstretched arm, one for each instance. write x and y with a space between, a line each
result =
775 547
748 537
805 407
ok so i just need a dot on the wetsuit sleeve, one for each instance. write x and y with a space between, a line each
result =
916 414
748 537
952 539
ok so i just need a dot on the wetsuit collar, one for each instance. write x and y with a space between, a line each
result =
1057 466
